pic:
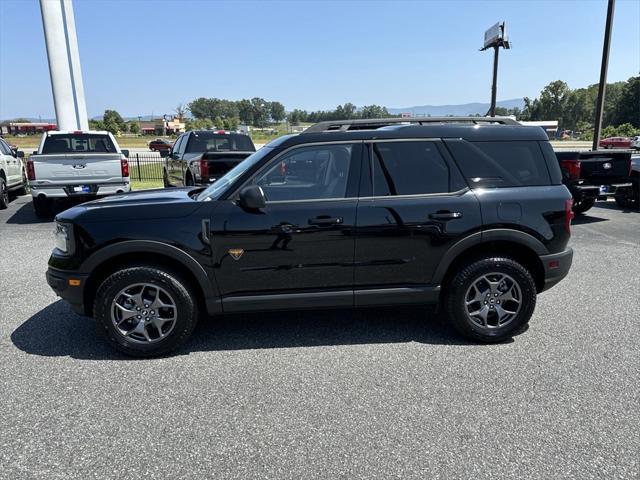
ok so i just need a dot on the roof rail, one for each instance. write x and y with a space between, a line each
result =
373 123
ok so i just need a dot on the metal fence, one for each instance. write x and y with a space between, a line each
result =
153 168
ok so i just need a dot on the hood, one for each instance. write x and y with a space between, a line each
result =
143 205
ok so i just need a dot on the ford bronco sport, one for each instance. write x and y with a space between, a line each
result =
468 213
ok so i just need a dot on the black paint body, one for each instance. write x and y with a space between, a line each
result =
354 251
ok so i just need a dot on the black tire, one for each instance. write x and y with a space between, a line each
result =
4 194
457 289
188 180
582 206
42 207
25 183
180 293
631 200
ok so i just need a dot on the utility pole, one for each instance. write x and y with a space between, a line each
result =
603 76
495 37
64 64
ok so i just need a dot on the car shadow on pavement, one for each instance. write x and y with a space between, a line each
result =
615 206
25 215
583 219
57 331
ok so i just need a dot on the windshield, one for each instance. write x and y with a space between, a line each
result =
213 141
216 189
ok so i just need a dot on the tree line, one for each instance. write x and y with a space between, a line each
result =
259 112
575 108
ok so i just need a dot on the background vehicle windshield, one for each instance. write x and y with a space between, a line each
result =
81 143
215 190
212 141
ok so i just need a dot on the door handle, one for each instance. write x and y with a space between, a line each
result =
325 220
445 215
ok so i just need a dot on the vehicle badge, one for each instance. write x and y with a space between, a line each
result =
79 166
606 166
236 253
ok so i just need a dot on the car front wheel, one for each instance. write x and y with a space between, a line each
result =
145 311
490 299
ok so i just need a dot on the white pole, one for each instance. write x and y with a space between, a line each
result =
64 64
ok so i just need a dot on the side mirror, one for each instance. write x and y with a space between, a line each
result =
125 152
19 154
252 197
164 153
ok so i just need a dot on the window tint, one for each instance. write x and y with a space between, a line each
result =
501 164
82 143
178 144
212 141
408 168
308 173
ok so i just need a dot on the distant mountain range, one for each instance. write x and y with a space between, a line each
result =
462 110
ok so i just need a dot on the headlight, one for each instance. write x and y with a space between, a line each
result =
62 235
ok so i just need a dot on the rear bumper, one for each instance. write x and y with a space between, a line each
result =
582 192
58 280
556 267
62 191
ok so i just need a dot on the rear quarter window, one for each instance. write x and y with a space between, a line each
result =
78 143
501 164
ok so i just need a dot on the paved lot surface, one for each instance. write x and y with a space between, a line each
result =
370 394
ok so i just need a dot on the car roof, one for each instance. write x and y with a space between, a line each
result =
466 132
72 132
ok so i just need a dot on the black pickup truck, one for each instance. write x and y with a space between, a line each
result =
200 157
596 175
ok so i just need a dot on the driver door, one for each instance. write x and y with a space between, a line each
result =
298 251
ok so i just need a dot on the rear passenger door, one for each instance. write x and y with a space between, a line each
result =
414 206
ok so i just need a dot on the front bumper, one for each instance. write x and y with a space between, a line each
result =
69 286
556 267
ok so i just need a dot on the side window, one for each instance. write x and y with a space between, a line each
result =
408 168
501 164
178 144
4 148
317 172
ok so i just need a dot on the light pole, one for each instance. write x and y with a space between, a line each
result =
495 37
603 76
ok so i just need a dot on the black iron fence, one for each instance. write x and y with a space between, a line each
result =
153 168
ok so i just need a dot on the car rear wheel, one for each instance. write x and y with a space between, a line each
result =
490 299
42 207
583 205
145 311
188 180
4 194
631 199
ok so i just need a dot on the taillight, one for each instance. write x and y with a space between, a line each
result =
204 168
124 167
31 170
568 214
572 167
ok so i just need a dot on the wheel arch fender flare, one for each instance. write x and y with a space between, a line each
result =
485 237
150 246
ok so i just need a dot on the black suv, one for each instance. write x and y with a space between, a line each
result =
468 213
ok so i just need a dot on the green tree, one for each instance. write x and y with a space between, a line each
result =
276 111
260 112
134 127
628 108
113 122
245 111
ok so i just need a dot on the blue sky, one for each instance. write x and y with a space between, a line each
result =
148 56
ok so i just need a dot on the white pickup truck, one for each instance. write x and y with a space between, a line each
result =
81 164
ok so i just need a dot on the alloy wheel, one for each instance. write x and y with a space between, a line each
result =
144 313
493 300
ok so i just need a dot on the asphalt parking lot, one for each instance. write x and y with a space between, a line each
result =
340 394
